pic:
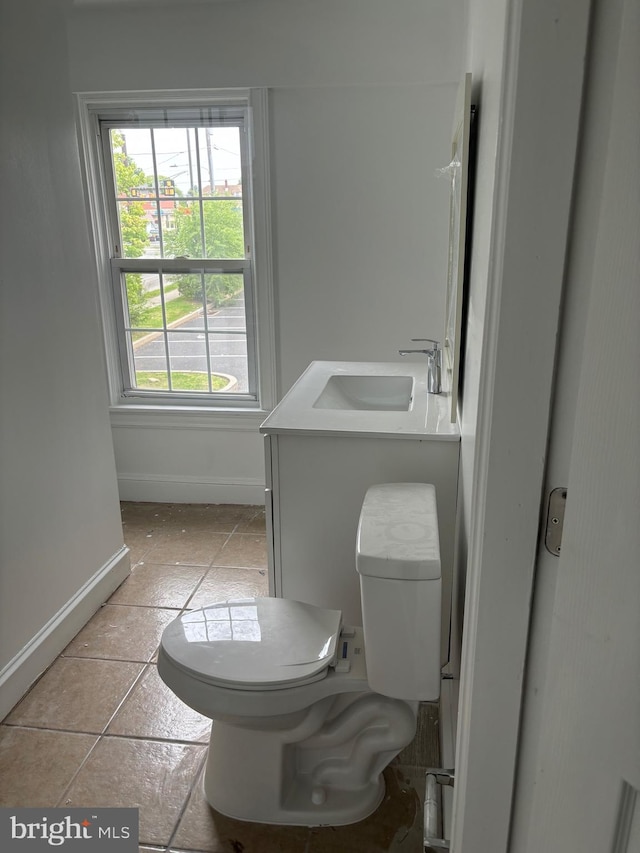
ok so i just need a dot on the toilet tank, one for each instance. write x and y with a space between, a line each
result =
398 560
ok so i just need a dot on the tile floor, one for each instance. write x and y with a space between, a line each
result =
99 728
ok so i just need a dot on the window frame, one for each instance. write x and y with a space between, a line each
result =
256 267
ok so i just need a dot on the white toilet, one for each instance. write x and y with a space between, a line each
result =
304 722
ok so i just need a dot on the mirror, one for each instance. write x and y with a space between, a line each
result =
458 171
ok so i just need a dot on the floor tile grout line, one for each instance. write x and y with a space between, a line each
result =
123 699
233 531
74 776
190 794
115 660
99 739
126 696
146 606
105 734
201 581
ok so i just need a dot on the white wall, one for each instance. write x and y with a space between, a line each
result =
361 103
60 533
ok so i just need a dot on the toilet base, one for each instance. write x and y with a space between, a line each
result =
254 797
331 776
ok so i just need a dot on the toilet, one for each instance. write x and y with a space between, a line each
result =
307 712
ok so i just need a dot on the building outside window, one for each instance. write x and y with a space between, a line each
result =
176 207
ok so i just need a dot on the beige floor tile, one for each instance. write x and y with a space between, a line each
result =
216 518
153 711
246 550
139 544
395 826
121 632
255 524
155 585
141 538
202 828
152 776
181 547
36 765
222 584
77 695
150 514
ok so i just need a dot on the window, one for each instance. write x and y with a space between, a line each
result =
173 189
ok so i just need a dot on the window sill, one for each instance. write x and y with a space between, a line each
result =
186 417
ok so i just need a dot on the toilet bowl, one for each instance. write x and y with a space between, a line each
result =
308 712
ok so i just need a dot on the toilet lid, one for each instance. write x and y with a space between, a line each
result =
255 643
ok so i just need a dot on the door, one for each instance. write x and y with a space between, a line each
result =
576 707
579 774
520 232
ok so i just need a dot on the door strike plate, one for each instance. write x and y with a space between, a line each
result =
555 520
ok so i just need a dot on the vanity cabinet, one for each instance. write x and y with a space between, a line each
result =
316 484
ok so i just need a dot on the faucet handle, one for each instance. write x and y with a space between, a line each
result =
436 344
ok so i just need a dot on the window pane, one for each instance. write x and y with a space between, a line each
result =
229 358
224 292
150 363
188 361
223 228
157 169
134 187
132 221
228 328
143 304
132 162
181 229
183 296
219 159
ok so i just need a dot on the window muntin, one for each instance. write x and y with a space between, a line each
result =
178 186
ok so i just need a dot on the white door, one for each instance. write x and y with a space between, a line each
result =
576 740
579 776
537 123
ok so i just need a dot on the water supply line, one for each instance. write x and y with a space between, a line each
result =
433 839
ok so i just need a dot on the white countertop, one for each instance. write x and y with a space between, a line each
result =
427 418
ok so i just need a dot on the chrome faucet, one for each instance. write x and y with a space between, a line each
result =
434 363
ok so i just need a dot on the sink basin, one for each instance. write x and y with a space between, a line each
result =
367 393
381 399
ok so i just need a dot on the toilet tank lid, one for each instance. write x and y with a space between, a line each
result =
398 532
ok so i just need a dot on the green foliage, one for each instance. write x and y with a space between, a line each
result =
133 229
128 173
156 380
133 223
224 238
152 316
136 300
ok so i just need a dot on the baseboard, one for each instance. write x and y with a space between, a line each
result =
21 672
189 490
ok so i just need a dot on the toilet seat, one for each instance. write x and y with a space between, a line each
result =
254 644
